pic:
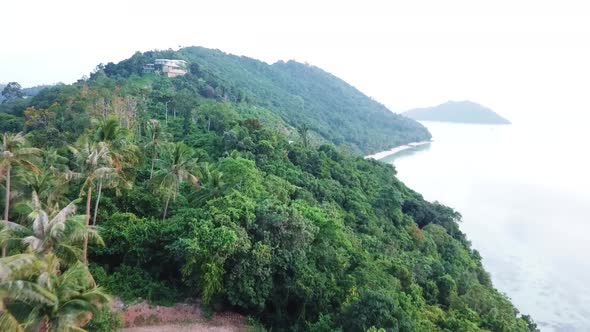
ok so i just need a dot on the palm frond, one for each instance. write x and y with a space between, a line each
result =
29 165
40 223
70 175
12 267
13 226
60 218
76 279
105 172
78 305
76 229
9 237
33 242
68 254
28 152
54 160
45 280
94 237
35 202
28 292
9 323
96 296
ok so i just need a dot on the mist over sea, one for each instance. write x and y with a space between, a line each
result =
524 193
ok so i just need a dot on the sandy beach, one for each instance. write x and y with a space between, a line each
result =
383 154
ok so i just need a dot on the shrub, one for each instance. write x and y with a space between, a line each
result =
106 320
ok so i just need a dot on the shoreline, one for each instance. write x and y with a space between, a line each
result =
397 149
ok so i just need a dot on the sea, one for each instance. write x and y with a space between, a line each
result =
524 193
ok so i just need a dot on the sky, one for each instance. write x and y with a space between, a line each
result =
520 58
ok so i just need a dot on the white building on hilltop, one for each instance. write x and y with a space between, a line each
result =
171 68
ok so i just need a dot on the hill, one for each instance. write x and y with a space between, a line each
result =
201 194
300 94
27 92
457 111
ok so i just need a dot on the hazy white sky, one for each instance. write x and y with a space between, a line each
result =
518 57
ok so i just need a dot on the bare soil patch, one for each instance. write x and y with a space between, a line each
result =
182 317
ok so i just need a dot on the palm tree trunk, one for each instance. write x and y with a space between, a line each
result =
154 157
6 204
166 207
88 201
97 202
166 113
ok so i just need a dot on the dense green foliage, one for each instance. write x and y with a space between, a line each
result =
105 320
457 111
299 236
299 93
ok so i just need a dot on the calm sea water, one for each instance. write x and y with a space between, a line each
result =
524 193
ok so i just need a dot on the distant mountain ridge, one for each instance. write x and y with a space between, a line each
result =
457 111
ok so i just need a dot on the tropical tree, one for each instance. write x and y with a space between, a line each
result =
163 94
50 183
54 161
155 141
303 131
59 233
12 91
124 155
94 163
36 296
212 186
14 152
109 131
178 165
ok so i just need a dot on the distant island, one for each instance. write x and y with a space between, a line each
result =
457 111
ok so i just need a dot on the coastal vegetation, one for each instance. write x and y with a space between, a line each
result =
224 187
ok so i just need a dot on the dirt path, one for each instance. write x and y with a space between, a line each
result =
194 327
182 317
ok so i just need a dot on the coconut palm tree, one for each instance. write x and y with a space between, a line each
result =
54 161
155 142
49 185
13 152
119 139
178 165
94 163
58 233
35 293
124 155
36 296
212 186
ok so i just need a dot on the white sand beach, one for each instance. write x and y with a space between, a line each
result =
383 154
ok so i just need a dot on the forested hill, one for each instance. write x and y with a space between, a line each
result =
26 92
188 189
301 94
457 111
